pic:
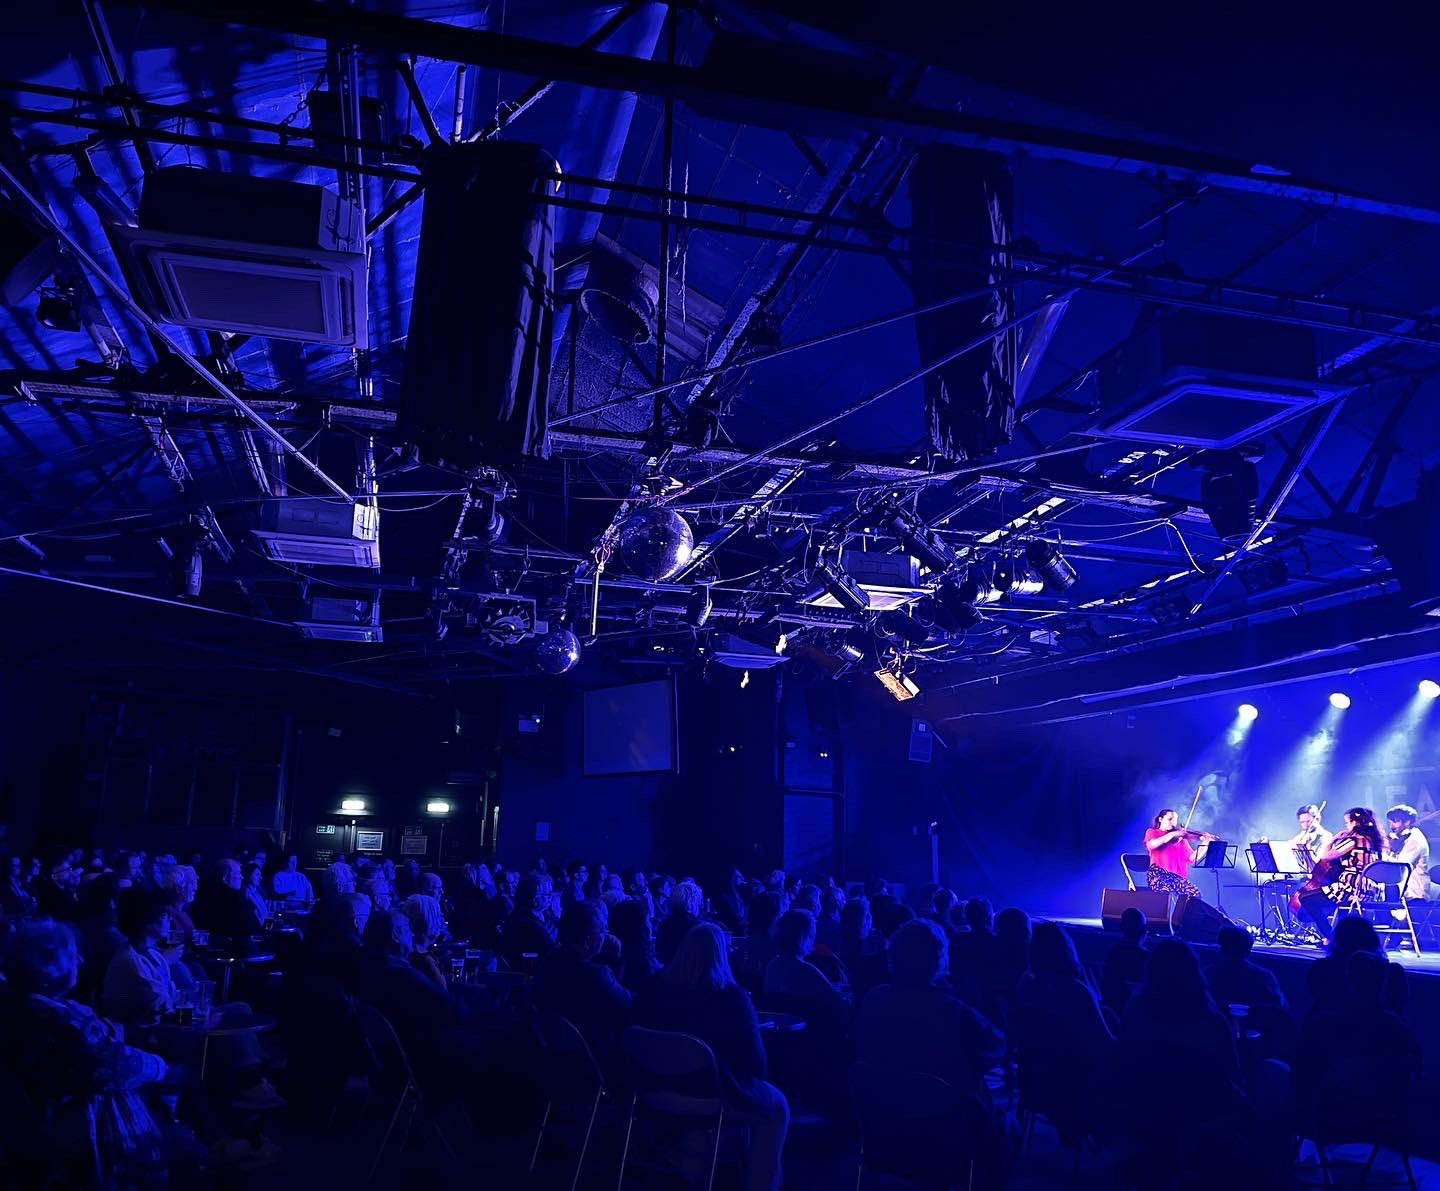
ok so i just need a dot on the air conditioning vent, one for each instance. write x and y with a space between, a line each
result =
321 533
334 619
260 256
891 580
1205 380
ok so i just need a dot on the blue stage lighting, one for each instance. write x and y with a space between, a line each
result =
1429 688
1247 712
1340 700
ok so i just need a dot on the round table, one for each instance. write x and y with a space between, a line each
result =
218 1027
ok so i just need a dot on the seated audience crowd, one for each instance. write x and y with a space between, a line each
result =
117 965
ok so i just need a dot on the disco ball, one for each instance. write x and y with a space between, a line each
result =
655 543
557 651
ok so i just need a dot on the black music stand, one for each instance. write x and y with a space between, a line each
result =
1282 864
1216 855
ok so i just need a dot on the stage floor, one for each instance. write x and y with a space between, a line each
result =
1426 963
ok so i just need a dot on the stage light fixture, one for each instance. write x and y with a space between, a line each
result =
897 684
1339 700
922 542
848 594
1053 567
899 628
437 806
1429 688
1228 492
352 804
699 606
1248 712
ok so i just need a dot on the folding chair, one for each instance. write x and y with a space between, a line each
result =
395 1065
1136 866
915 1126
673 1075
1387 879
571 1076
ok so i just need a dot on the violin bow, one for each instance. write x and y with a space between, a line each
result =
1198 791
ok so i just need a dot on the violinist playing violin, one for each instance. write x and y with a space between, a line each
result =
1172 854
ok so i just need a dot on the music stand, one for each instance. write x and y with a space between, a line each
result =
1216 855
1281 862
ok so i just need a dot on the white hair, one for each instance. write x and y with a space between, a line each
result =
689 897
424 914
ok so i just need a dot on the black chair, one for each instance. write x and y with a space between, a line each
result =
1136 866
397 1072
1387 880
675 1076
571 1077
915 1126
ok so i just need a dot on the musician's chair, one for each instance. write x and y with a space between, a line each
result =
1386 881
1136 866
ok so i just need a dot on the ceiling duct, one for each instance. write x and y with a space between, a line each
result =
621 300
320 533
1211 380
260 256
736 652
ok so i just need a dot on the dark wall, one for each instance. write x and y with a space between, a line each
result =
722 807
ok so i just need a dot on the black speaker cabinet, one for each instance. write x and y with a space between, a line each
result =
1153 903
1198 921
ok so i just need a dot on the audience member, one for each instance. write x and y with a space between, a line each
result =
289 884
1124 963
696 994
1326 976
527 936
862 951
686 902
220 906
571 983
427 927
254 889
1234 979
914 1024
630 924
138 986
803 987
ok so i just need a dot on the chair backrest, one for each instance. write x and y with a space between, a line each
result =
1388 872
1136 865
569 1070
672 1072
384 1042
914 1124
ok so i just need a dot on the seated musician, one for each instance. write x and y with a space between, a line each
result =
1408 845
1171 854
1337 878
1312 835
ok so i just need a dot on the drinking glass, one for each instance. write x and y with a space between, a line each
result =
204 994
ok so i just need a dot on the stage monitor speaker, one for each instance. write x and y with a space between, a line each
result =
1198 921
1153 903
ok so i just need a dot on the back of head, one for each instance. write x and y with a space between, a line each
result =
1173 980
1132 924
630 920
687 897
138 910
832 901
979 915
1352 934
765 908
581 923
353 909
891 915
1013 924
701 960
388 932
1365 974
426 920
918 953
794 933
532 893
877 886
41 957
941 902
807 897
1052 952
855 917
1235 942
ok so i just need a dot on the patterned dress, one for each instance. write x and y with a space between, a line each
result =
1350 887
